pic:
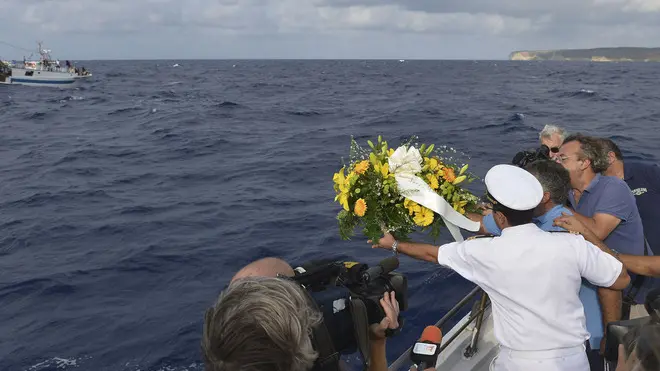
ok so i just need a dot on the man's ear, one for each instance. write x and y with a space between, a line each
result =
499 218
611 157
546 197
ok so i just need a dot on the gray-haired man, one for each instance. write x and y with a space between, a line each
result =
552 136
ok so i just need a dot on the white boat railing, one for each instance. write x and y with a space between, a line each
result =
478 315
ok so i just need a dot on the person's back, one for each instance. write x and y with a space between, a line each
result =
538 276
644 182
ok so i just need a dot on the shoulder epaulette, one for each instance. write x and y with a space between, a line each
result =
480 236
571 232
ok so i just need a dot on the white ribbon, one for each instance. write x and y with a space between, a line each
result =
404 164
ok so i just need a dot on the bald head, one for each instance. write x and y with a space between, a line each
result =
266 267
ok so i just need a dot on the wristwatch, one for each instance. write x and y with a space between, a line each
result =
394 246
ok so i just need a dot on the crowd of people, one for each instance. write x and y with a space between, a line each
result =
568 244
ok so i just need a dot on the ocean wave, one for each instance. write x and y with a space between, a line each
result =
120 111
304 113
135 179
37 115
517 117
42 198
88 153
57 363
45 286
228 104
582 93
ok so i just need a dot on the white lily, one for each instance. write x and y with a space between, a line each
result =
405 164
405 161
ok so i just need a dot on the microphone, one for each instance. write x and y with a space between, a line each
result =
384 267
425 352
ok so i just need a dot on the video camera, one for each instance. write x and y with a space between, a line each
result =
626 332
523 158
348 296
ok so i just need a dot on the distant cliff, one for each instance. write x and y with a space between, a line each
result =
594 55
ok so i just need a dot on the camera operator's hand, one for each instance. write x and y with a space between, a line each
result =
385 242
622 362
391 321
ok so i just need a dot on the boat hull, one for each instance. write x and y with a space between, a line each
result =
29 77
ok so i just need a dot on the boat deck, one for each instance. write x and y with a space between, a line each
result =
470 345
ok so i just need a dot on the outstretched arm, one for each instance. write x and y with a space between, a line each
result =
638 264
643 265
419 251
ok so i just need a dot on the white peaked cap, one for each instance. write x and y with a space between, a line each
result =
513 187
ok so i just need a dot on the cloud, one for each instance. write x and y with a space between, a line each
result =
189 24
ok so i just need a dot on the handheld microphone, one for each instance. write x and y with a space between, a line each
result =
384 267
425 352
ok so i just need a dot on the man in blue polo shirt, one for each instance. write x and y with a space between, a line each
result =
556 185
605 205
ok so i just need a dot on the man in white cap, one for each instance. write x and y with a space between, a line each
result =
531 276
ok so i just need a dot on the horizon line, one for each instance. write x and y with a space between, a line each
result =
286 59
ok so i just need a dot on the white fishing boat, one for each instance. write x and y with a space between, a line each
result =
45 72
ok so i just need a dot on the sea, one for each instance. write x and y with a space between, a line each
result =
128 201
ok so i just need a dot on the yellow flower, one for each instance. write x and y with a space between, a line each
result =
339 178
361 167
360 207
433 181
423 217
412 206
459 206
349 182
390 152
463 169
343 187
385 170
343 200
449 176
433 163
459 179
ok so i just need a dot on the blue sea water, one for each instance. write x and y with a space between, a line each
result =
127 202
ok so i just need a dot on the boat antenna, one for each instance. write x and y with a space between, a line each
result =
14 46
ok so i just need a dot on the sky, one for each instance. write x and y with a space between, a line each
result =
321 29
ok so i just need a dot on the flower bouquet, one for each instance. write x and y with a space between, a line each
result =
403 190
